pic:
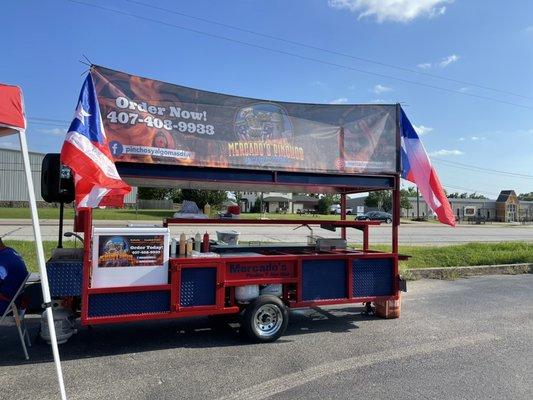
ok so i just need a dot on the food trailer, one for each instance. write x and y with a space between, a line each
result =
163 135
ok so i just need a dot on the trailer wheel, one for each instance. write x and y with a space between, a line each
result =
265 320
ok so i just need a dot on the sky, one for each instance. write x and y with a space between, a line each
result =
460 68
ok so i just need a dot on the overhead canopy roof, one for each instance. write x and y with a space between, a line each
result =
11 110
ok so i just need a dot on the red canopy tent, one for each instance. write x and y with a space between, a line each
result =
13 121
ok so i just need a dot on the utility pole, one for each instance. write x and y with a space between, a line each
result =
417 203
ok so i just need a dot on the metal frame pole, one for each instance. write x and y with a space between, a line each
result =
343 214
61 222
41 261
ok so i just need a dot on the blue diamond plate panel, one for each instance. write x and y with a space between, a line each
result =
198 286
64 278
115 304
372 277
324 279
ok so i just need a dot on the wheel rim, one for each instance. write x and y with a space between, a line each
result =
267 320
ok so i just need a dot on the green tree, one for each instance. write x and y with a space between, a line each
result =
404 198
526 196
151 193
215 198
381 199
476 196
326 201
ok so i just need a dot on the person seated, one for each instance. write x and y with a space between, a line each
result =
12 273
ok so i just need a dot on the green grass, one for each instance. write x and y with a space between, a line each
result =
460 255
422 256
109 214
27 250
130 214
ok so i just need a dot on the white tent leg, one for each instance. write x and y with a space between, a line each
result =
41 261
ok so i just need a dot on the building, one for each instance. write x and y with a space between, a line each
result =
13 188
506 208
276 202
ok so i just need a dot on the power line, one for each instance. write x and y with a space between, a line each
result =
329 51
295 55
481 169
469 189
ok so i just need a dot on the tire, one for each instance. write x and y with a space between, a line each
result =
388 221
265 320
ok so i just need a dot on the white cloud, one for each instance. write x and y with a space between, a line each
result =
448 60
445 152
462 139
378 89
529 29
424 65
392 10
54 131
340 100
464 89
422 130
378 101
318 83
477 138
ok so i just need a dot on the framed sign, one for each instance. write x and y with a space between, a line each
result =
129 257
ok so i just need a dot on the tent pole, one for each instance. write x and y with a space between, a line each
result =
41 262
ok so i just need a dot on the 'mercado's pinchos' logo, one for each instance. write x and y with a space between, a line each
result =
264 130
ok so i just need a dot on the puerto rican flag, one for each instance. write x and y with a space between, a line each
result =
417 168
86 152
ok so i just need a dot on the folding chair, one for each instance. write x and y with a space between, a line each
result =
14 315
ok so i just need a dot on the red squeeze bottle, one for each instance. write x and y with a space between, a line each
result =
206 242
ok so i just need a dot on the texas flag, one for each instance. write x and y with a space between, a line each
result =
86 152
417 168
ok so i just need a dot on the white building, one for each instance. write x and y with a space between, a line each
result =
13 189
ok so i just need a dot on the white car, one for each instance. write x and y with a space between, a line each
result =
336 209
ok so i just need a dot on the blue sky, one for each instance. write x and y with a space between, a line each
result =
488 43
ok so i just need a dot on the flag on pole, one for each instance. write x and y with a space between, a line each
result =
417 168
86 152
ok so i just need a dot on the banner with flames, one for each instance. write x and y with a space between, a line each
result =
148 121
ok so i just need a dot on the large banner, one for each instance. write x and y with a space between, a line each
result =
149 121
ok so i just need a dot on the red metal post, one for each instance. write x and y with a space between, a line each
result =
87 216
396 214
395 231
343 214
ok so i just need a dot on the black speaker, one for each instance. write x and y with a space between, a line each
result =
57 182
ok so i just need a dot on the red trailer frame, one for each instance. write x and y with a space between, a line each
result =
225 284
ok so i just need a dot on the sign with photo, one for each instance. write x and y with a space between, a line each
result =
130 251
149 121
129 257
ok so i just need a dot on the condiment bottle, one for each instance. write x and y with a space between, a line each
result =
183 244
206 243
197 241
173 247
207 209
189 247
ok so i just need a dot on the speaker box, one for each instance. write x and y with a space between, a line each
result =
57 182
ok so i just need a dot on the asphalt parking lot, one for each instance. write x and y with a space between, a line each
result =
470 338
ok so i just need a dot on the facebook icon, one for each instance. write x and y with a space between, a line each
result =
116 148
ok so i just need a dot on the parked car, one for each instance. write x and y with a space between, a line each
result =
375 216
336 209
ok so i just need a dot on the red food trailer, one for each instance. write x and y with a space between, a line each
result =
169 136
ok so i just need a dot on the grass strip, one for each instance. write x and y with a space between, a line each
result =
460 255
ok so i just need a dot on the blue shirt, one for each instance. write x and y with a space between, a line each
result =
12 273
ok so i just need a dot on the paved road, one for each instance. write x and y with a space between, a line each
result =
421 233
464 339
